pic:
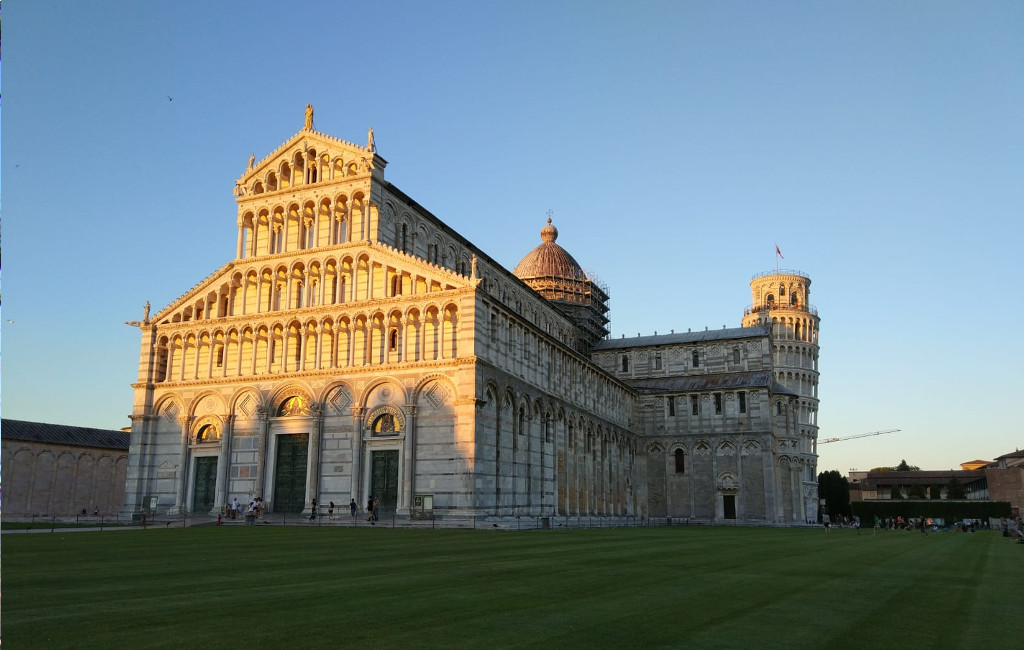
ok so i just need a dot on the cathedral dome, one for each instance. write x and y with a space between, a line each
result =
549 260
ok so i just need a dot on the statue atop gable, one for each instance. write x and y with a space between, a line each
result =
309 117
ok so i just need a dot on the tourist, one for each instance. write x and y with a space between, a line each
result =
353 507
369 509
330 510
376 508
827 523
312 511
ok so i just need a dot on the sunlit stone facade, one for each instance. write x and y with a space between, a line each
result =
356 345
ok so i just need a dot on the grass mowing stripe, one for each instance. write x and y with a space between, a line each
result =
712 587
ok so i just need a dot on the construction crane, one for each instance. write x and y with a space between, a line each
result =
859 435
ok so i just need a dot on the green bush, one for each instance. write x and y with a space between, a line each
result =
948 511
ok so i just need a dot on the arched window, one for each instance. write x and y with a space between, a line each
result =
735 355
396 285
393 340
207 433
625 363
386 425
695 358
293 406
680 462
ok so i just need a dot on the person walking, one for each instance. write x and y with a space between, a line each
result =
330 511
376 508
369 509
353 508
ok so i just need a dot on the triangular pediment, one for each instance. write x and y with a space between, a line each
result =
309 152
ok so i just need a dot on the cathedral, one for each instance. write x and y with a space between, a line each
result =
356 346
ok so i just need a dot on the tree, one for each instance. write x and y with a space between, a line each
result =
835 489
904 467
955 489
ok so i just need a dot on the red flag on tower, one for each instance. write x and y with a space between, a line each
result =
778 252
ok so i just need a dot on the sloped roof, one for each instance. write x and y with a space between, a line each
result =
696 383
683 337
923 477
63 434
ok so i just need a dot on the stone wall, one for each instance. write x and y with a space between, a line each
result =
61 480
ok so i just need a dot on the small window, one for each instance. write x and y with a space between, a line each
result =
694 405
778 408
735 355
743 402
680 462
625 363
671 406
782 291
396 285
393 340
718 403
220 357
657 362
696 359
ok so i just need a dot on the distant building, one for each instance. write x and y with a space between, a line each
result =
999 480
922 484
1005 479
60 470
974 464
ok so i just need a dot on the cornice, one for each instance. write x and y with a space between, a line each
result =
335 311
346 373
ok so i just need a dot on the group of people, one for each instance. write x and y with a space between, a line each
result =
255 508
372 509
842 521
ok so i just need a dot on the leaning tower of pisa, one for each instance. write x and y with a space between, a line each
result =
781 299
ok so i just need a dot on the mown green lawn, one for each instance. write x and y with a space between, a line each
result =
237 587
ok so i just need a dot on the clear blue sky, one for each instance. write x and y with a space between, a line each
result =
881 144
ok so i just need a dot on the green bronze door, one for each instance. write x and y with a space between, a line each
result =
205 489
290 473
384 483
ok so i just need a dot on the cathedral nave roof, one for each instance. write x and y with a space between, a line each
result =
698 383
683 337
